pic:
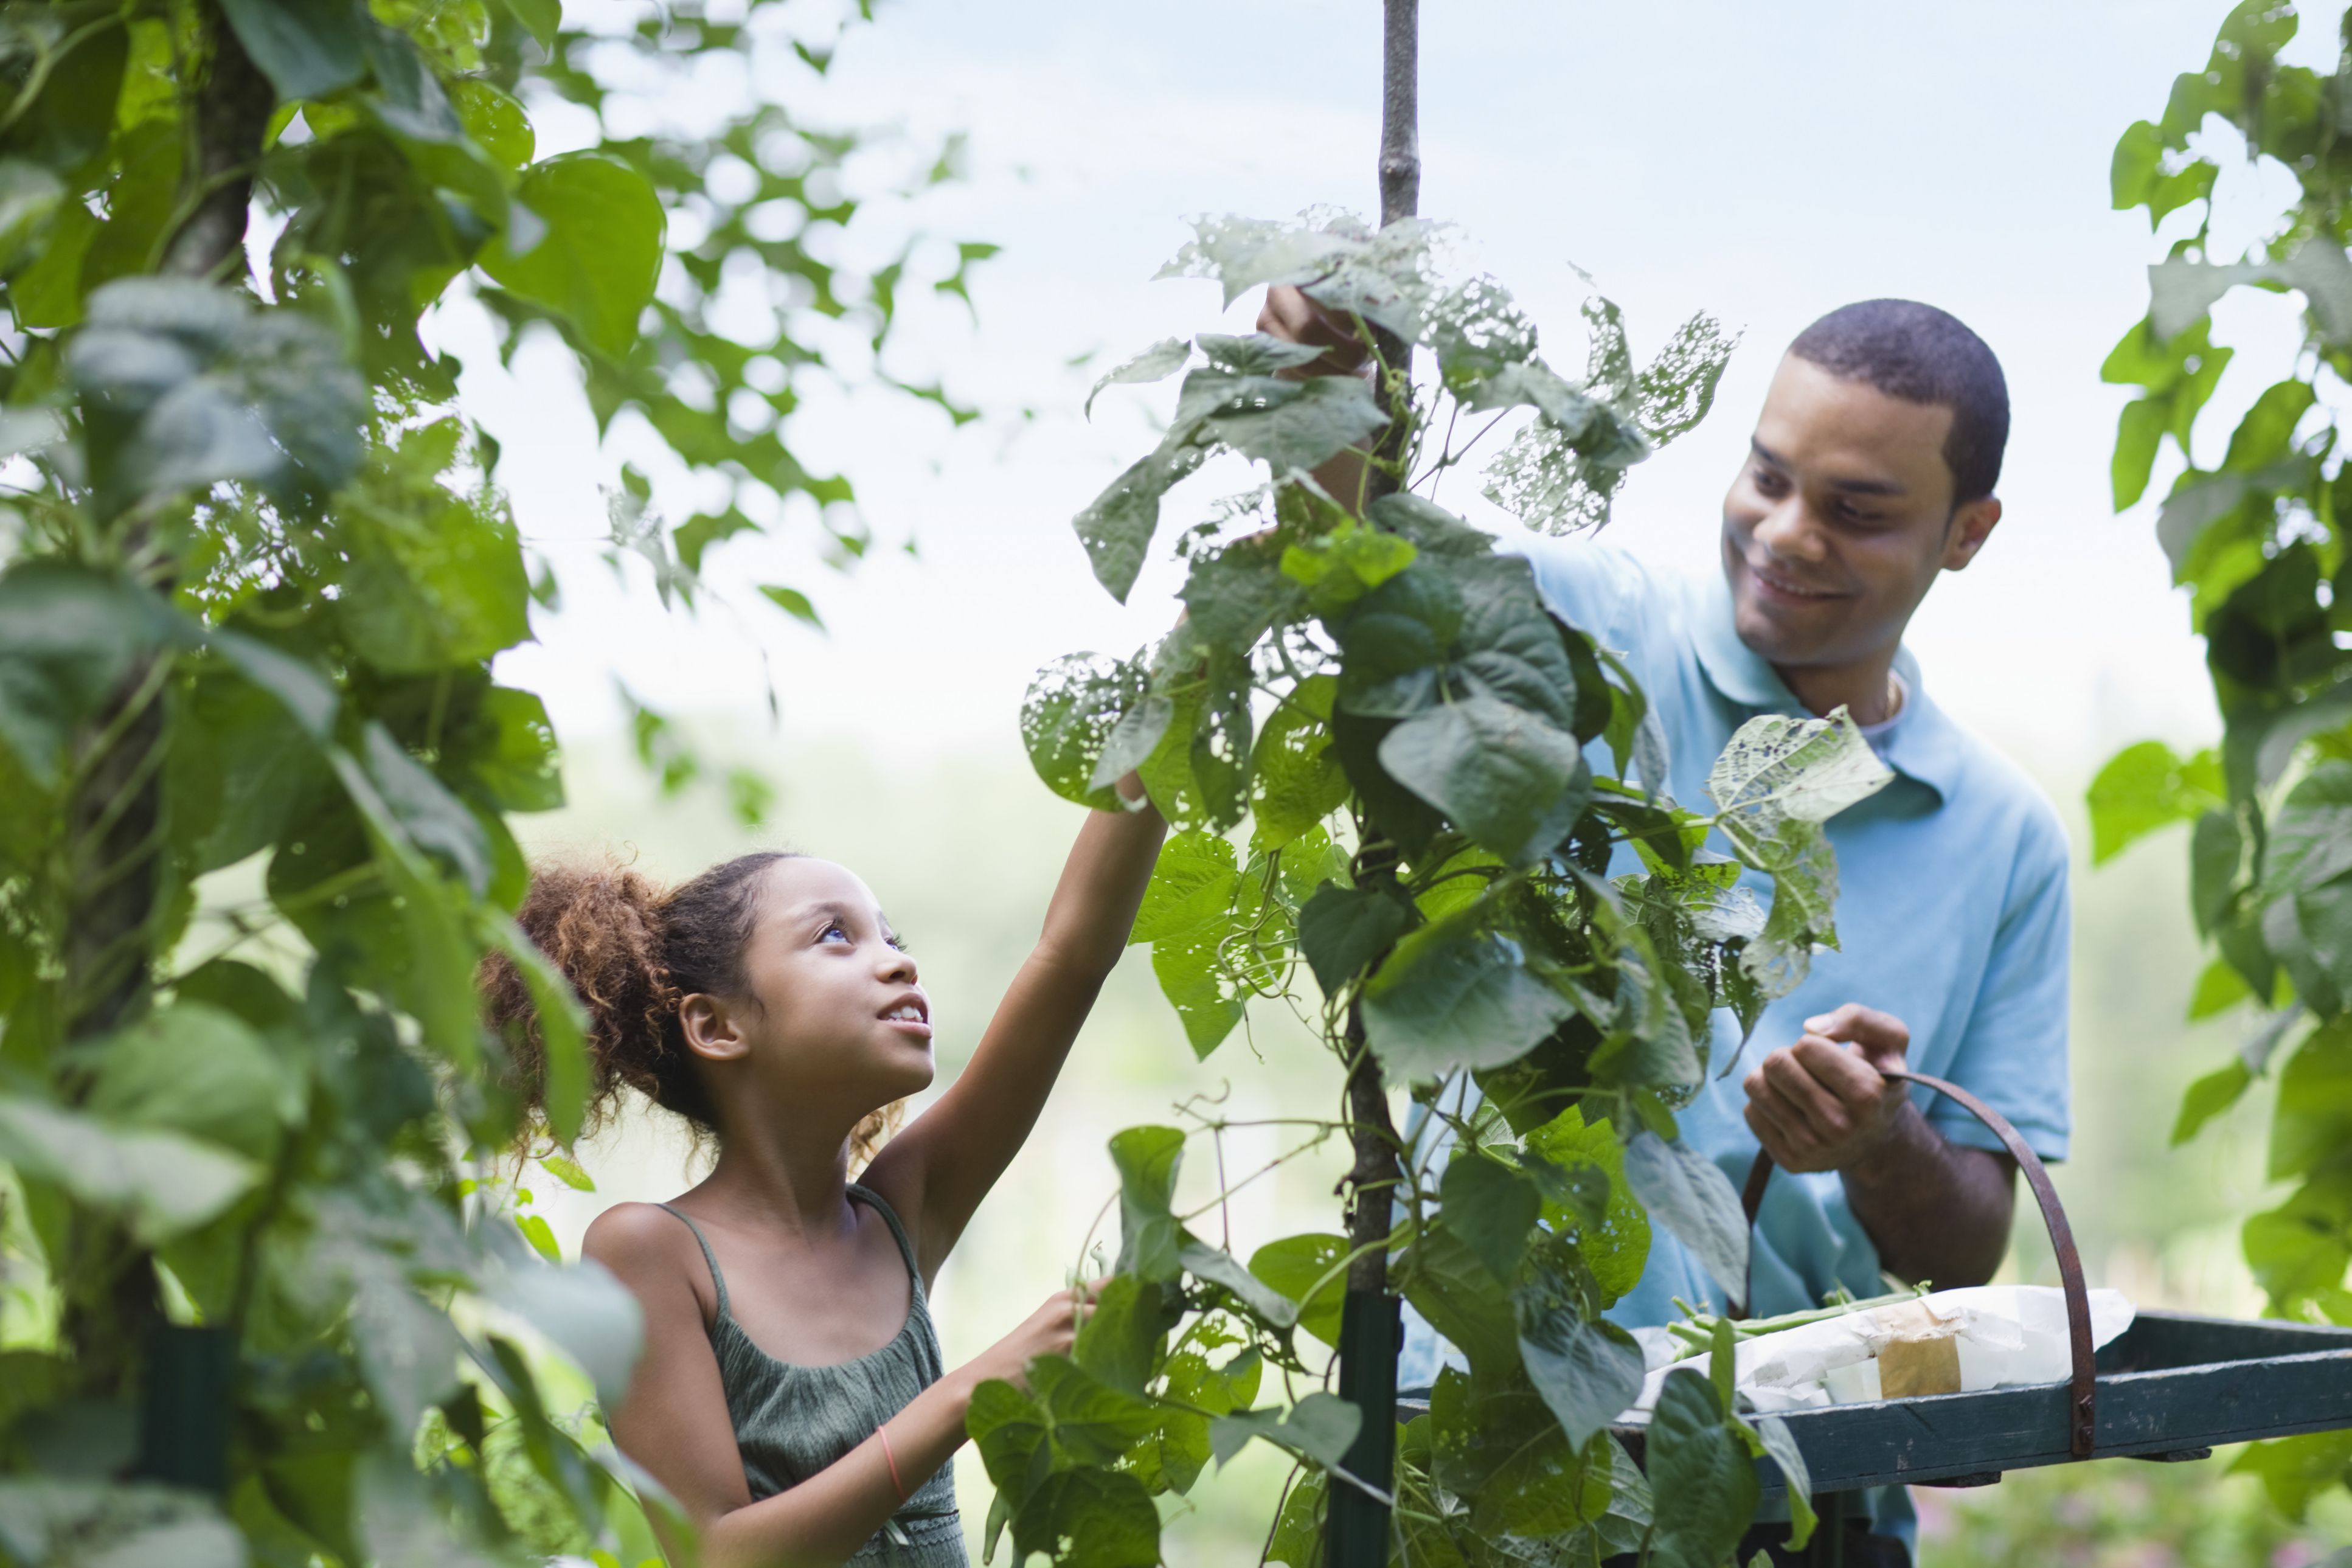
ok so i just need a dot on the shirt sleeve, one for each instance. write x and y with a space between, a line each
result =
2013 1055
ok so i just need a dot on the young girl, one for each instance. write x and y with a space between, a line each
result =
790 1394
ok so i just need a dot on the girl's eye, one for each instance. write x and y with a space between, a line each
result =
834 929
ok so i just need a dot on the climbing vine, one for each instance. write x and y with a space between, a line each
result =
1378 749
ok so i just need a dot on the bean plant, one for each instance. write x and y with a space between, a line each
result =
1377 751
270 1289
2258 540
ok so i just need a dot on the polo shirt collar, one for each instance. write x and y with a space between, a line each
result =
1923 745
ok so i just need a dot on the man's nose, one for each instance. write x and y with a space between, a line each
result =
1788 530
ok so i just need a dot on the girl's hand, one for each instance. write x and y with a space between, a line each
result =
1049 1331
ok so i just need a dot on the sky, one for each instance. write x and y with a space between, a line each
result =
1762 163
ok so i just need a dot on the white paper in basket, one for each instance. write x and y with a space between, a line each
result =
2008 1335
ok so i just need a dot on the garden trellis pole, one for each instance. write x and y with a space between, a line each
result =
1371 1335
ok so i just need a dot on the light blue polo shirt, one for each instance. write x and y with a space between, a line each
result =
1951 915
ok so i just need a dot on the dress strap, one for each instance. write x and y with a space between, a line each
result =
717 1278
875 1201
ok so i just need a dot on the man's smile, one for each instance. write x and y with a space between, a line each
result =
1777 587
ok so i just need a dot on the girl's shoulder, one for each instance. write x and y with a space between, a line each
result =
645 1246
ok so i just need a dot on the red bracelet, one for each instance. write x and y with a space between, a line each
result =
883 1432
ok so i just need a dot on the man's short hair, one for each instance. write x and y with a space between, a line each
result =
1921 354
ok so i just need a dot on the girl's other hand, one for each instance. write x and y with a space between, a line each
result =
1049 1331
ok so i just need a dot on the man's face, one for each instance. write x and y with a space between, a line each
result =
1840 520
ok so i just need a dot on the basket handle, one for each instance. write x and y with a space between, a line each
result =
2082 1404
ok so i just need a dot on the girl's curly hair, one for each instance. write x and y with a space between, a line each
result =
633 949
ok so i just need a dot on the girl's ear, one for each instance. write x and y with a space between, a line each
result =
711 1030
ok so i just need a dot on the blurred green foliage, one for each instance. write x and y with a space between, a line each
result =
268 1287
2258 541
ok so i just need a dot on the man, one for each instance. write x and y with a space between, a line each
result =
1870 474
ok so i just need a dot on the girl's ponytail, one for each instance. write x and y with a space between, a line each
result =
605 928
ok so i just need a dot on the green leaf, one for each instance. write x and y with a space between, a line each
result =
596 264
2311 833
1119 1343
1689 1194
1452 997
1447 1284
2209 1097
2182 291
1342 931
243 1099
493 122
1255 353
1297 1264
1776 769
1704 1485
1089 1518
1586 1372
1192 885
2295 1470
307 48
69 640
186 384
540 1236
2148 786
233 794
1328 414
1147 1158
441 585
583 1310
1617 1249
1193 976
1162 360
568 1172
1675 390
1782 1443
1234 595
1067 718
794 603
541 19
163 1183
1505 776
2220 987
1117 526
1492 1206
1218 1266
1321 1426
1248 253
1296 779
2139 430
513 754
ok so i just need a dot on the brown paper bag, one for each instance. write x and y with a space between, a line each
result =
1914 1367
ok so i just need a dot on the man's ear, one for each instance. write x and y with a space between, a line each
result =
1971 525
711 1030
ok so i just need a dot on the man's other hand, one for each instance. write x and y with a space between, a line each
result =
1824 1104
1290 315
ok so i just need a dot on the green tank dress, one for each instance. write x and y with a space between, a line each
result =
790 1421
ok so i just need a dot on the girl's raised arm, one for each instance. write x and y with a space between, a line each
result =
947 1160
